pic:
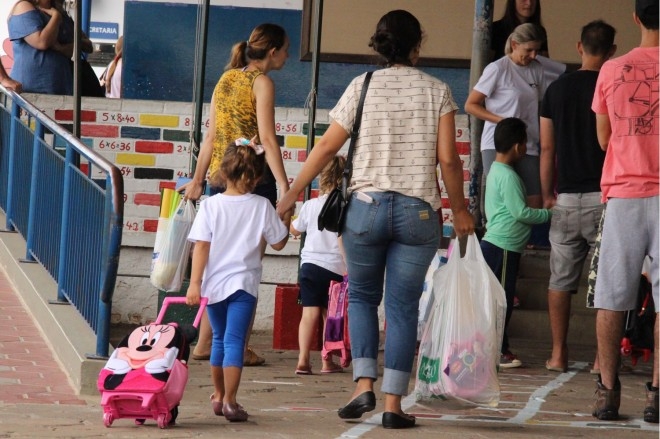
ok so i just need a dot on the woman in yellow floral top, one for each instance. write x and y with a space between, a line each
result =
243 105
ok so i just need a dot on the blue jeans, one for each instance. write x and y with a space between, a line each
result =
390 240
230 320
505 265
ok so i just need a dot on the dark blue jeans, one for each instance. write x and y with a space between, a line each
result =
505 265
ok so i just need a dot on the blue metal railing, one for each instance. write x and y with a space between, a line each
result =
71 222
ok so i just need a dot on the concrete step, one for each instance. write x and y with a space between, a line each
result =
535 325
531 319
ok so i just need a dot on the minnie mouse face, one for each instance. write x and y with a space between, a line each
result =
147 343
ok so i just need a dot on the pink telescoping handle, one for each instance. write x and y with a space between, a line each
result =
182 300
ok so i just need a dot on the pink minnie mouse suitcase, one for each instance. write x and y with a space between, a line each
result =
336 339
147 373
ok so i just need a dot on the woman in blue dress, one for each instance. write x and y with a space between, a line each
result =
38 65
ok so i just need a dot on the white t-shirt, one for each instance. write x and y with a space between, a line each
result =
513 91
396 149
115 86
235 225
321 246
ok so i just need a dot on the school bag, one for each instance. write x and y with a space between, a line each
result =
146 374
336 339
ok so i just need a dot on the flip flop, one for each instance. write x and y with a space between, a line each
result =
336 369
304 370
555 369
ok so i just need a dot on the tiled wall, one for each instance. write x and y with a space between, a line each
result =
149 142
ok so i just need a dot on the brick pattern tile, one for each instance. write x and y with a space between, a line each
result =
29 373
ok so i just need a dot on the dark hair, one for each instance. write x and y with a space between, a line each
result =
331 174
241 166
263 38
647 12
397 34
509 132
511 19
597 38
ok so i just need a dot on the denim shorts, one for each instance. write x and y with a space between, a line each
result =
315 283
573 231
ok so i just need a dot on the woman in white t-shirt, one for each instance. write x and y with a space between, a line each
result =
228 233
391 223
321 261
513 86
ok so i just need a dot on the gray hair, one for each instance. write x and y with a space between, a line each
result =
525 33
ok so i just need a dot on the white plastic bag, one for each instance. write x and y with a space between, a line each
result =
171 257
426 299
460 347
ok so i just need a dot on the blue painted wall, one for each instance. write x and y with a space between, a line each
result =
159 55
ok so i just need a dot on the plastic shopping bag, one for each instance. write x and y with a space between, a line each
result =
460 347
171 259
426 299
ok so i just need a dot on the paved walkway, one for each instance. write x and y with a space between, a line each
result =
37 402
29 373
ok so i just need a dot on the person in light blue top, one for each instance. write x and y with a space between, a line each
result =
509 218
38 65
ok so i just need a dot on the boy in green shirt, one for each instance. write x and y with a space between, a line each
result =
509 219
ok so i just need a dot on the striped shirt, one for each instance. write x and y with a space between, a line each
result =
396 149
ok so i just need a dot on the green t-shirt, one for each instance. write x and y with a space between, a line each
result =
509 219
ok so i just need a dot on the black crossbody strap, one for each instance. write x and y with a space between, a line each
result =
354 133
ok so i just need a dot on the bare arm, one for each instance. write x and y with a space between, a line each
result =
474 105
287 222
45 38
603 130
452 174
326 148
9 83
294 232
199 260
193 189
67 49
547 162
264 92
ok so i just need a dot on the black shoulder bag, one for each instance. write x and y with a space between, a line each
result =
332 214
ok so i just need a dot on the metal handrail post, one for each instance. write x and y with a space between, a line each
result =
64 231
109 264
29 238
15 114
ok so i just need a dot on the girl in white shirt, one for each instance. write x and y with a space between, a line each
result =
321 261
229 232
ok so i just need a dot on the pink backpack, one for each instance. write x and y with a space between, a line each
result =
336 339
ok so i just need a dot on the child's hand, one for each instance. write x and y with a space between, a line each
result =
286 216
194 294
